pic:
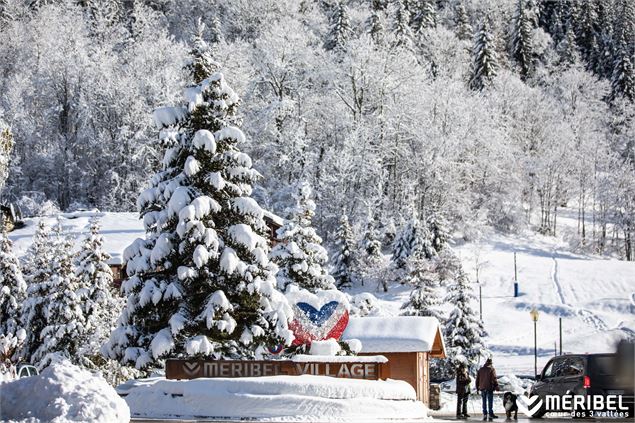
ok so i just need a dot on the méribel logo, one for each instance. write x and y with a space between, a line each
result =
529 405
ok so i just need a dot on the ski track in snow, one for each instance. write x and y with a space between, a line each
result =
587 316
592 320
556 280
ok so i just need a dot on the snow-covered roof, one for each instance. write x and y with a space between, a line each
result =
273 217
397 334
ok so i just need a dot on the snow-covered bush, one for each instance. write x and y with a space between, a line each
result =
62 392
364 304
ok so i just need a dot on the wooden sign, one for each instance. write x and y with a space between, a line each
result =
192 369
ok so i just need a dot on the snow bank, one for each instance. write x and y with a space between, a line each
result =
393 334
287 398
63 392
325 347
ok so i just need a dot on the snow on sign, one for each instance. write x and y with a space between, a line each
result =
341 367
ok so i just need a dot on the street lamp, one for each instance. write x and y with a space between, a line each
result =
534 316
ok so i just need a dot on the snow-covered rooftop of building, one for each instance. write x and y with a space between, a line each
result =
396 334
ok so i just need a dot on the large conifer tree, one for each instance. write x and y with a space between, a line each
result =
200 284
521 47
299 254
345 257
36 270
63 334
484 57
12 288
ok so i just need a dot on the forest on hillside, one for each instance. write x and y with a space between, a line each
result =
492 113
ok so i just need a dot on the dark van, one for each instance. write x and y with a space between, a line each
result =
587 374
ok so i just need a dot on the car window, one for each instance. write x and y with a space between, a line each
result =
568 366
548 372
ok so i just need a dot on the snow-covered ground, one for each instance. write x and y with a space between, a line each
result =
277 398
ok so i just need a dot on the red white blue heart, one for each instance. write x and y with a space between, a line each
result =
312 324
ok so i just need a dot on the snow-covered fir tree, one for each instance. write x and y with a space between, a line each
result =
37 272
201 283
65 326
521 48
374 24
462 22
201 63
439 229
299 254
12 288
95 289
371 257
402 32
423 15
344 267
623 75
424 299
340 27
463 331
414 239
6 146
484 57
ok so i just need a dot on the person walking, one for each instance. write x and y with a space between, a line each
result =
463 381
487 383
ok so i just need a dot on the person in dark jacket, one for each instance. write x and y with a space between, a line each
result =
487 383
463 381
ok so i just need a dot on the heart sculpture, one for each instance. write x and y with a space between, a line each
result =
314 322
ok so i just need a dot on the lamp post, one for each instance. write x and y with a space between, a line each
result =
534 316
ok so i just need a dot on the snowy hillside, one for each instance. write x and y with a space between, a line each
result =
119 230
593 295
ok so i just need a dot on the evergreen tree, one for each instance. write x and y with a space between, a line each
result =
63 333
423 15
95 286
463 331
424 298
6 147
201 283
344 259
567 49
201 64
462 22
623 77
401 26
372 258
484 57
37 274
374 24
439 231
340 29
12 288
299 254
413 240
521 48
